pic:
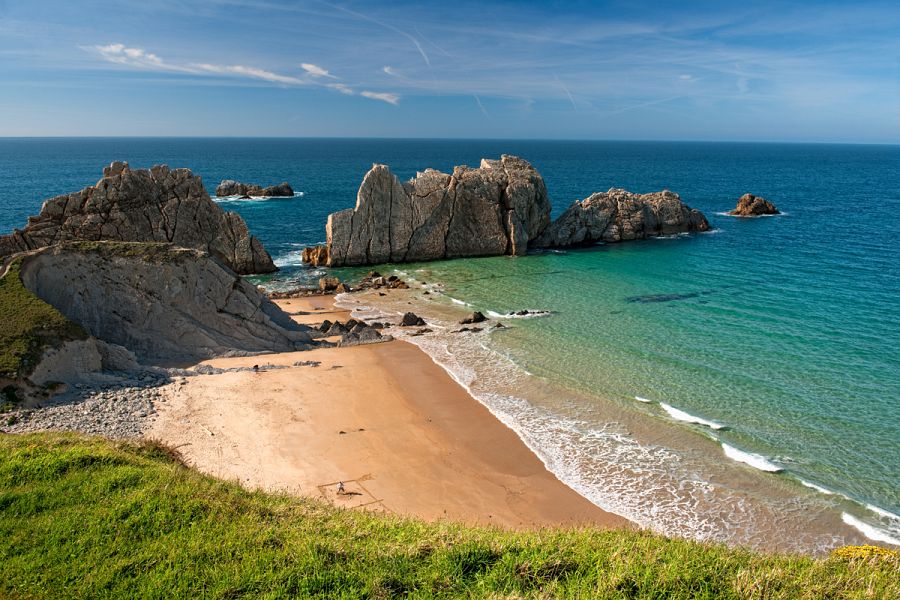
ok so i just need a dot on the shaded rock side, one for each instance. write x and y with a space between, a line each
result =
163 303
498 208
146 205
619 215
749 205
230 187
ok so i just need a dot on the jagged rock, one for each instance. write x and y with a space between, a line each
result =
498 208
365 335
342 288
412 320
619 215
325 326
475 317
315 255
749 205
230 187
328 284
161 302
145 205
337 328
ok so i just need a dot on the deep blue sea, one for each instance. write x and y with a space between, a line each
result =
756 401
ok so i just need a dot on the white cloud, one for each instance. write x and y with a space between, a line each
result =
344 89
383 96
121 54
251 72
390 71
316 70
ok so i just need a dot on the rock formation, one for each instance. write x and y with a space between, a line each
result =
753 206
230 187
161 302
498 208
618 215
147 205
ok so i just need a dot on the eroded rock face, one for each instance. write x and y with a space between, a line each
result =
753 206
619 215
161 302
147 205
230 187
498 208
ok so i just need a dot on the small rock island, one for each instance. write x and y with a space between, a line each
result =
230 187
753 206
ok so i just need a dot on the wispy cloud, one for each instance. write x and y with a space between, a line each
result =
250 72
383 96
316 70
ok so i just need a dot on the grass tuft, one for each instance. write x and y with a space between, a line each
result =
84 517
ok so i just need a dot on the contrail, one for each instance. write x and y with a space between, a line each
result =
481 106
386 26
568 93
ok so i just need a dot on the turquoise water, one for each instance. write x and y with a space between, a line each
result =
784 330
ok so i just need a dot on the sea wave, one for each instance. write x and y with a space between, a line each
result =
457 301
256 198
884 513
818 488
870 531
680 415
756 461
644 400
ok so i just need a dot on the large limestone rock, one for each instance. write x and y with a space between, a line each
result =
618 215
498 208
753 206
163 303
147 205
230 187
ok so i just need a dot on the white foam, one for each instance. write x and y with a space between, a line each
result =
680 415
644 400
754 460
818 488
870 531
884 513
460 302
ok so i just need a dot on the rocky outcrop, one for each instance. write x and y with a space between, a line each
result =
749 205
163 303
146 205
230 187
618 215
498 208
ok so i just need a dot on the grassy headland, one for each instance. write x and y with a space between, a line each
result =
86 517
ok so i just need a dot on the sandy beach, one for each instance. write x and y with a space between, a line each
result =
385 420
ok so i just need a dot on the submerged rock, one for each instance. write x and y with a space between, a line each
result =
475 317
619 215
230 187
749 205
498 208
412 320
144 205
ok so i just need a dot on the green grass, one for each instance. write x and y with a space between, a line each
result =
86 517
28 326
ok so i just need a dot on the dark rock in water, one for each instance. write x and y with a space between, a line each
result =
144 205
465 329
619 215
500 326
329 284
475 317
377 325
229 187
650 298
749 205
422 331
412 320
342 288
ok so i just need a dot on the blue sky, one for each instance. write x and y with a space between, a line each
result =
767 71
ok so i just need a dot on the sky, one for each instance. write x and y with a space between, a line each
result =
630 70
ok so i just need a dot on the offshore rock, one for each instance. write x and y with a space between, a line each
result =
161 302
146 205
498 208
753 206
230 187
619 215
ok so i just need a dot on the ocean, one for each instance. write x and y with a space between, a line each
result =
740 385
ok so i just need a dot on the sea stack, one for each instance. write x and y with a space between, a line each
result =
144 205
230 187
618 215
749 205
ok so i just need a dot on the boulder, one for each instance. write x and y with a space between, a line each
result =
498 208
144 205
329 284
749 205
362 336
315 255
412 320
163 303
475 317
619 215
230 187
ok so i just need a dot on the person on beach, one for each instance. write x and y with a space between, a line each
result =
340 487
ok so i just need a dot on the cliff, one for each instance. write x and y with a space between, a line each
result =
146 205
161 302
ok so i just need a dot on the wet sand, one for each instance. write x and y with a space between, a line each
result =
384 419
